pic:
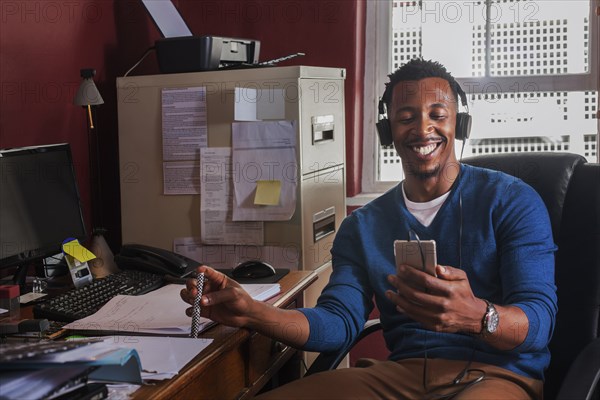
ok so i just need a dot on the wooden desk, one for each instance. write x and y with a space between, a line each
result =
239 362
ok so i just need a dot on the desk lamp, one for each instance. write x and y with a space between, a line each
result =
88 95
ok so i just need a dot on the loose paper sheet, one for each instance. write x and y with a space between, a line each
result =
161 357
264 150
216 202
252 104
262 291
183 123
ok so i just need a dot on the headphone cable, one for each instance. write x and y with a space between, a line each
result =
464 141
467 368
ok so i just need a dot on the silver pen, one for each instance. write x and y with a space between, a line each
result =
196 306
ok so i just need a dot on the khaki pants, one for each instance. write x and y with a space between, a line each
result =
404 380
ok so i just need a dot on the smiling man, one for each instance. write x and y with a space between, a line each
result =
477 330
423 117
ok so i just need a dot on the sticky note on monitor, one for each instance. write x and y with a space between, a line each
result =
267 193
77 257
77 251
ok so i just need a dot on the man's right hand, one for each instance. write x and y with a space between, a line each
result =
223 299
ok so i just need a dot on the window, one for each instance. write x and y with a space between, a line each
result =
529 68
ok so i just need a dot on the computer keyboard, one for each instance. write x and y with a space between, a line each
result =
82 302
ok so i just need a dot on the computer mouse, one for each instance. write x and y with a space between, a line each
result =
253 269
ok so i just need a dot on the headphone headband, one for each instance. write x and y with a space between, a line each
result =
382 107
462 95
461 131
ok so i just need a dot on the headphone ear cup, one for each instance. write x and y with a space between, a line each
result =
384 130
463 126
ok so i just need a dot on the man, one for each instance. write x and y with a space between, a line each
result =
479 329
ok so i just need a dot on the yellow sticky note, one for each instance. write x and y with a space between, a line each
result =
77 251
267 193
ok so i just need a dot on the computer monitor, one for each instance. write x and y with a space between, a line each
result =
40 205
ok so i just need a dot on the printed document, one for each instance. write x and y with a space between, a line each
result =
264 151
216 202
181 177
184 126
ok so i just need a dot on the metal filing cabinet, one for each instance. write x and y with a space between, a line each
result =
313 96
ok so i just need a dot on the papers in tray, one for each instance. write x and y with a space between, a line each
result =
262 291
160 312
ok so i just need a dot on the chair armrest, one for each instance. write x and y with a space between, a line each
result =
330 360
584 372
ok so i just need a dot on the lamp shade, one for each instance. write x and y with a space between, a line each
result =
88 94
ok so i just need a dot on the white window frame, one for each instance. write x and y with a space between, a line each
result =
377 61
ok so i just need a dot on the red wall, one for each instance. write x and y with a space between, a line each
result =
44 44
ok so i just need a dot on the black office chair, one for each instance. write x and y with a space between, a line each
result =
570 188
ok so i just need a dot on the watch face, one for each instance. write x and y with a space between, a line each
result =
491 320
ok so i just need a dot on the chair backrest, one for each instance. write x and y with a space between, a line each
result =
570 188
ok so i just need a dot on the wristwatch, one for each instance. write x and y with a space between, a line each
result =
490 319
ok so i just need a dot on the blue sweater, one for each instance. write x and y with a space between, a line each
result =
507 253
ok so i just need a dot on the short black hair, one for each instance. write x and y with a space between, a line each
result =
415 70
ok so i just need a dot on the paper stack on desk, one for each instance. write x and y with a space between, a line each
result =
262 291
161 357
161 312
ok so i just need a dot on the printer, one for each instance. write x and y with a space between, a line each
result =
204 53
181 51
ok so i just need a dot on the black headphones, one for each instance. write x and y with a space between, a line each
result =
463 121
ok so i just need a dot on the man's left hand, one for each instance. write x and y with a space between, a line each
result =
444 303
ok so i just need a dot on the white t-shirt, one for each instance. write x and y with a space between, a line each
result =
425 212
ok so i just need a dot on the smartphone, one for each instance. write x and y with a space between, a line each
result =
420 255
